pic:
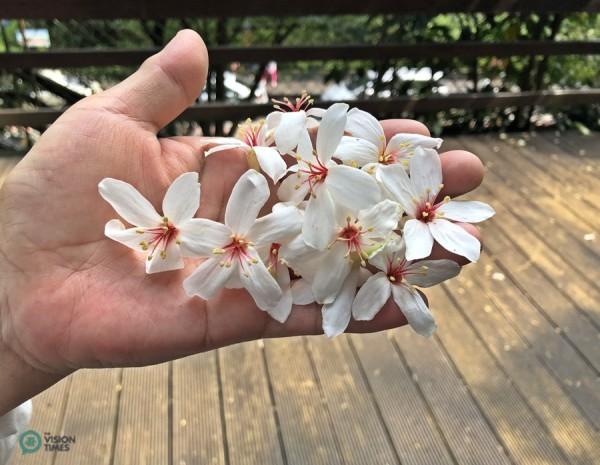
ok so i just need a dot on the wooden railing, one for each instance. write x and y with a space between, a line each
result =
154 9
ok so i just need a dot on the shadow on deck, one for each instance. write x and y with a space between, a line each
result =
511 376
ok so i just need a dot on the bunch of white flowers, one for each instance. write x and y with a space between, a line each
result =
357 216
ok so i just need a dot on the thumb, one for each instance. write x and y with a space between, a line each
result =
164 86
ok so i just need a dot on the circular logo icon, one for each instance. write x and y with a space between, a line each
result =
30 442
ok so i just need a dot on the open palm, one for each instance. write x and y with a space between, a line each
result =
75 299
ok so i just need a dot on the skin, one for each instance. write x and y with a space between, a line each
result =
71 298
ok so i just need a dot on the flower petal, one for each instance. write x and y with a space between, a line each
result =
393 248
354 151
365 126
302 292
270 162
282 310
259 282
288 131
336 315
427 273
200 236
230 145
167 261
418 239
371 297
351 187
426 173
132 206
331 131
469 211
404 144
331 273
248 196
397 183
381 219
208 279
318 228
415 310
294 188
283 223
455 239
182 199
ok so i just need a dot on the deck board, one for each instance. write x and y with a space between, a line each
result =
511 378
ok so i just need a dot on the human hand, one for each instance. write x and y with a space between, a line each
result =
72 298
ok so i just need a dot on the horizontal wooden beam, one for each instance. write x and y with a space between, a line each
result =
75 58
380 107
153 9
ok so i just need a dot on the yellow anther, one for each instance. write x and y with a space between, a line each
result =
370 229
274 251
425 214
447 199
163 254
441 186
139 231
354 164
424 267
178 242
144 245
391 278
405 162
149 257
254 261
348 219
218 251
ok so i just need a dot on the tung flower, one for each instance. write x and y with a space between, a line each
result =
397 278
164 239
429 220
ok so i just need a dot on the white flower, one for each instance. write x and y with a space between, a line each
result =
327 183
281 273
365 146
398 278
257 140
164 239
429 220
291 120
231 248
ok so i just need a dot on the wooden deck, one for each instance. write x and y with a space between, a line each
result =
511 377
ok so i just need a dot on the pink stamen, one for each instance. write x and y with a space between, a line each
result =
301 103
161 237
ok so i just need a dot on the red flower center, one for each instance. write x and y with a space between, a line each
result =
160 237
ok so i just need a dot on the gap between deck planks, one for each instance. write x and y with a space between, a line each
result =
510 378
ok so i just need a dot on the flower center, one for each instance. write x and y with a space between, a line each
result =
352 234
402 155
316 174
304 102
160 237
236 250
249 132
426 212
399 269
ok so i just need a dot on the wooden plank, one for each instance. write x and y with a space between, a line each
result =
578 379
154 9
48 414
412 427
520 430
252 435
220 55
362 435
379 107
306 428
143 419
543 393
197 423
90 416
459 418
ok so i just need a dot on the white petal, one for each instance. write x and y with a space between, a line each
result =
393 248
318 228
455 239
282 310
331 131
270 162
404 144
259 282
336 315
418 239
468 211
200 236
302 292
288 131
231 145
381 219
353 150
208 278
414 309
305 148
248 196
132 206
427 273
351 187
170 260
366 126
371 297
396 182
283 223
294 188
313 113
182 199
132 237
426 173
330 276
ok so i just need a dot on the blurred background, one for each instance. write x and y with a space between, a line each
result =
511 377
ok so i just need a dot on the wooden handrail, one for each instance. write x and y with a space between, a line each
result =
154 9
473 101
73 58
